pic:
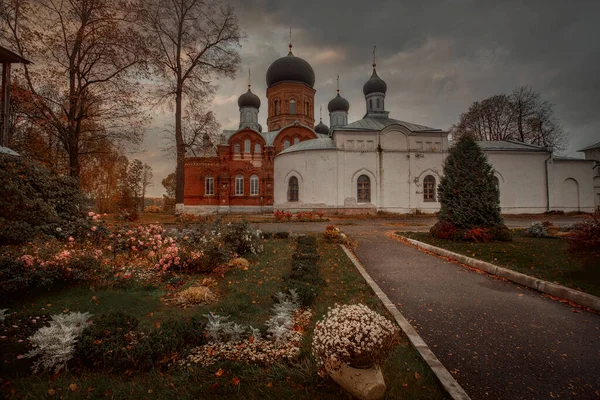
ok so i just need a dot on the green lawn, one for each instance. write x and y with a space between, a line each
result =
543 258
247 296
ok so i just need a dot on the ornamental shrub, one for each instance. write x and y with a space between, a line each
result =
468 193
307 292
35 200
241 238
443 230
107 342
537 230
584 237
355 335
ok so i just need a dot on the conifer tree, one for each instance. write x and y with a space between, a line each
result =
468 191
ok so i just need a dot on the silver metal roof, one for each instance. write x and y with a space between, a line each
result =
509 145
591 147
322 143
377 124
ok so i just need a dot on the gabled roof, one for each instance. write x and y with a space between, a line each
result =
509 145
591 147
7 56
377 124
322 143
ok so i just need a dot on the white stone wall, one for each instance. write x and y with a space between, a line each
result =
572 185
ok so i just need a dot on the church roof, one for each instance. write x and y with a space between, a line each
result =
377 124
591 147
290 68
509 145
321 143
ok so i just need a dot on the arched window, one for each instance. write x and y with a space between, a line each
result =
276 107
306 106
293 189
257 148
371 104
286 144
296 140
209 186
239 185
236 148
292 106
254 185
247 146
363 189
429 188
378 100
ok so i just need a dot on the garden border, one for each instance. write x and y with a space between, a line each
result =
446 379
553 289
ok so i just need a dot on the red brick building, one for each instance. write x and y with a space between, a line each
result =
237 173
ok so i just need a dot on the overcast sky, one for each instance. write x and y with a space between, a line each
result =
437 57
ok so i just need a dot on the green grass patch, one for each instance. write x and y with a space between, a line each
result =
247 297
543 258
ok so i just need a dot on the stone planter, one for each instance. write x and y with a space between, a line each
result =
362 383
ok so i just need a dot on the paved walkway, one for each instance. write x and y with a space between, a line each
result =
498 339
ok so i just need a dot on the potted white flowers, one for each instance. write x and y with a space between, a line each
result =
350 343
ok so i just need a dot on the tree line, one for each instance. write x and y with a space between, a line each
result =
99 64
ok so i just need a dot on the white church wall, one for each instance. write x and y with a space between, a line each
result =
572 185
522 180
317 177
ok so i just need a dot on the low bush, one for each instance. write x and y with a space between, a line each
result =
166 343
479 235
584 237
537 230
108 341
241 238
307 292
281 235
501 233
443 230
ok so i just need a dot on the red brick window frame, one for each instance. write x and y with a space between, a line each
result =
429 188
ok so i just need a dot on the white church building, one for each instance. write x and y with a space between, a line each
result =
376 163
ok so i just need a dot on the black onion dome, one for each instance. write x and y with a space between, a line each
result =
322 128
249 99
375 84
290 68
338 103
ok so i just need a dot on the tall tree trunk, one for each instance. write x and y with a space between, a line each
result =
179 173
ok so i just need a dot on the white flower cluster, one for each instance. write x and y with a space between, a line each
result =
55 344
353 334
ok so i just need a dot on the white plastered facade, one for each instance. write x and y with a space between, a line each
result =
396 160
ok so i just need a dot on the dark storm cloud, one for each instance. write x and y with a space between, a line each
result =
436 56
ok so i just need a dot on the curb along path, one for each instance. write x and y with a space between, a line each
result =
540 285
447 380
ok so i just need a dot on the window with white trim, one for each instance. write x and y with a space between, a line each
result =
209 186
236 148
296 140
429 188
254 185
286 144
293 189
239 185
363 189
292 106
247 146
257 148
